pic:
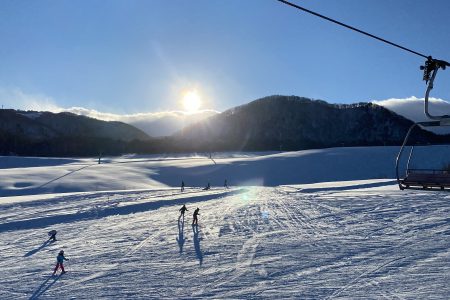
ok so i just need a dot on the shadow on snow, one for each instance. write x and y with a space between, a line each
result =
349 187
34 251
198 250
108 211
181 239
44 287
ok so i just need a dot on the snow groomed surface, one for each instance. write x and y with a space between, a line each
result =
327 240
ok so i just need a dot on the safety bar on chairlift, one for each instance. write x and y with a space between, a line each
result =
436 64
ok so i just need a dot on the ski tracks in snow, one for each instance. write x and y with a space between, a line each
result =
264 243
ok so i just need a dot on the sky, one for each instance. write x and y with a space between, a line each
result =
129 57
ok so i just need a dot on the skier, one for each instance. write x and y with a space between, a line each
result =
182 210
182 185
225 185
208 186
52 235
59 262
195 220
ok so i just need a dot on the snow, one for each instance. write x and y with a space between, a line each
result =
31 114
140 172
332 225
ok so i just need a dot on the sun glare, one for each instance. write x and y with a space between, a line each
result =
192 101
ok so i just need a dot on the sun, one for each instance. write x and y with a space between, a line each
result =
192 101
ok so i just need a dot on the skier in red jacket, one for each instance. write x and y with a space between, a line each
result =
59 262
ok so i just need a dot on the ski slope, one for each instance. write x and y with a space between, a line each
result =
320 239
27 176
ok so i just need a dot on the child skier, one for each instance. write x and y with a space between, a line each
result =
183 209
195 220
59 262
52 235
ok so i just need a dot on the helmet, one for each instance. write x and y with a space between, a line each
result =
61 252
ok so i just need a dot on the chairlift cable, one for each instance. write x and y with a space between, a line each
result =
352 28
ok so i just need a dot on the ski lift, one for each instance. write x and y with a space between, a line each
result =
425 178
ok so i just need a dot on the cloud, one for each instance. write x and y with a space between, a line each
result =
127 118
413 108
16 99
153 123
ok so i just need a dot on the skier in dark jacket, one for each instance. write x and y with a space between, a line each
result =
183 209
195 220
52 235
182 186
59 262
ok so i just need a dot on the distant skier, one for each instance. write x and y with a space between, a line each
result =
182 185
225 184
195 220
52 235
208 186
59 262
183 209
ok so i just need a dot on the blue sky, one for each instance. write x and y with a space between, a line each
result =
127 57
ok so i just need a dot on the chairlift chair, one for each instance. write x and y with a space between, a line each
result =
425 178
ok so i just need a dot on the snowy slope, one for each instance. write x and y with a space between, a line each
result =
329 239
268 169
322 242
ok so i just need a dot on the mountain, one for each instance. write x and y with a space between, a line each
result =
274 123
294 123
45 133
156 124
165 124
